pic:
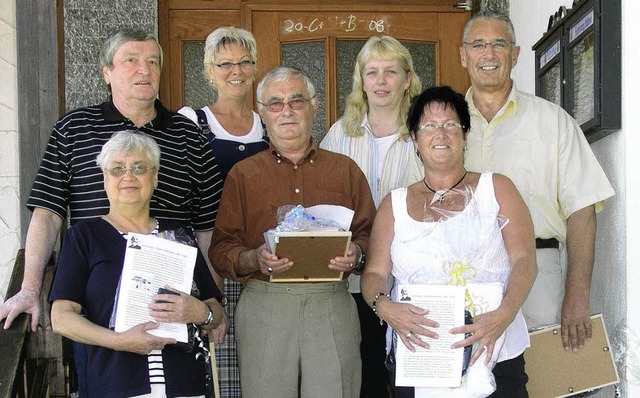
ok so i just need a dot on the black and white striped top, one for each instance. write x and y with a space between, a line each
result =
189 184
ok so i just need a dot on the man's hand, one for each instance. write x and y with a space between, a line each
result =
24 301
345 264
575 322
217 335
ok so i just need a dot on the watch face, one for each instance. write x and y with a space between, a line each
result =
224 301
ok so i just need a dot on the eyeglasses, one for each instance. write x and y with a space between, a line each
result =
480 46
295 104
244 64
432 127
137 170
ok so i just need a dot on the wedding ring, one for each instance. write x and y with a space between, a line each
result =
409 334
351 265
270 270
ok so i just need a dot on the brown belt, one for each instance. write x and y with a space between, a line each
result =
551 243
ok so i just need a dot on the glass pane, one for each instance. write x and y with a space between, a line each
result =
551 85
309 57
424 63
582 56
347 52
197 92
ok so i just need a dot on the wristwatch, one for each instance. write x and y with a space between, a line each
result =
209 318
359 266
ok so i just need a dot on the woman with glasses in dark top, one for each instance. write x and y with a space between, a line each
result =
134 362
235 132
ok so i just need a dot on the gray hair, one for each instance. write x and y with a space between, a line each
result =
226 36
283 74
129 142
120 37
489 15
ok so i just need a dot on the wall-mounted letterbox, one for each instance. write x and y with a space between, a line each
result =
578 64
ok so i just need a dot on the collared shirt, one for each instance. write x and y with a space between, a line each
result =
402 166
189 185
257 186
541 148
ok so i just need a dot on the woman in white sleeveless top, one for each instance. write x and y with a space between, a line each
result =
454 228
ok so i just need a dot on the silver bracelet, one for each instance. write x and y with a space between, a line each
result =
373 305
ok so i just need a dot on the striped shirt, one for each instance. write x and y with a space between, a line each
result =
189 185
401 165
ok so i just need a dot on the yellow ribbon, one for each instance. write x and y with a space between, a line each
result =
460 273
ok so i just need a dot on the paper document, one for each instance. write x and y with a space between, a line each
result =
151 263
439 365
340 214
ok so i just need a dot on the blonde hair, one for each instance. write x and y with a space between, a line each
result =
384 48
226 36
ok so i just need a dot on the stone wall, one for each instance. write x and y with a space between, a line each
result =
495 5
86 24
9 167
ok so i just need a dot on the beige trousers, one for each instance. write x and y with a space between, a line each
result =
298 338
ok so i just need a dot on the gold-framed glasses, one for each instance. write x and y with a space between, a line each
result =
481 46
296 104
136 170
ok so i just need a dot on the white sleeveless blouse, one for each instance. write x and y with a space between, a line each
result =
465 245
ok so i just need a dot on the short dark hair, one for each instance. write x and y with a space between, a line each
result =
438 94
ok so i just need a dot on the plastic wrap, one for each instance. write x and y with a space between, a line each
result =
295 218
625 345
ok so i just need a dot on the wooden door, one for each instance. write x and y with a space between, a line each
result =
323 40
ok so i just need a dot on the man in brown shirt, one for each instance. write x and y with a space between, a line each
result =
291 336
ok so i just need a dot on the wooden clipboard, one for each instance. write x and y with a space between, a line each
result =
310 253
554 372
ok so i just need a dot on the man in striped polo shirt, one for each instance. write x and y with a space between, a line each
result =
70 183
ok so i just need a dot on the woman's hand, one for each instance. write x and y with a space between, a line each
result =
485 331
139 341
217 334
178 308
409 322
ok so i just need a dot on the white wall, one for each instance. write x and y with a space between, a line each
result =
9 162
630 161
615 262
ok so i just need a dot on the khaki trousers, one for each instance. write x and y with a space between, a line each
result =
298 338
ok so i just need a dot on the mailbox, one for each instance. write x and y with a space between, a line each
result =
578 64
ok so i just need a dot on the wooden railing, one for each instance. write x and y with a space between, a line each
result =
30 363
13 341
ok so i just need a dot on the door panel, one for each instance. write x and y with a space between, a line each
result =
323 40
433 39
187 32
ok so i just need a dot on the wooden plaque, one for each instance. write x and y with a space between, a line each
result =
554 372
310 253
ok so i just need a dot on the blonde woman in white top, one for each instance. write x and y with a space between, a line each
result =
373 132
